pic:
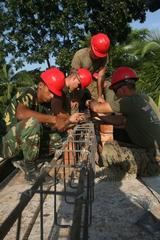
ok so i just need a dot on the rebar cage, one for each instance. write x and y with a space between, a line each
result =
74 167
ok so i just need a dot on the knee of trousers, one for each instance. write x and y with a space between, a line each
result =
32 123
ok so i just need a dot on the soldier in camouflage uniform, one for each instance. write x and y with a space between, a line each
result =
141 119
95 59
25 117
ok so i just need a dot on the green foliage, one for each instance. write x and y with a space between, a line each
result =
150 45
5 82
10 83
142 53
159 101
150 76
35 31
112 17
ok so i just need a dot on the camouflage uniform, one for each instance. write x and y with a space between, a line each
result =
25 136
130 159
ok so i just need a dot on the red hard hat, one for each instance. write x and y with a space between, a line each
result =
100 44
54 79
122 74
85 77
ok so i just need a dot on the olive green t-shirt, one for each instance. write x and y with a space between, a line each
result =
82 59
26 96
143 119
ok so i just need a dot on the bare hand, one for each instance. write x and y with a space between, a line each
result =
102 72
61 120
101 100
77 117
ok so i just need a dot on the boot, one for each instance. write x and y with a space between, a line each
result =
19 164
32 174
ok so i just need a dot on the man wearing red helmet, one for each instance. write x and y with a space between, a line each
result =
95 59
73 92
141 119
26 116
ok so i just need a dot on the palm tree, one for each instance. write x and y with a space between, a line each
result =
9 81
152 43
142 52
150 74
6 73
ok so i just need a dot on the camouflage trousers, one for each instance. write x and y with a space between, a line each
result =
26 137
130 159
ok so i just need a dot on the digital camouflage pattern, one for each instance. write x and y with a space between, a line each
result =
130 159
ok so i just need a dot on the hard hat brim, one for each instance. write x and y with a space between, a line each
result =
121 81
98 54
58 93
52 89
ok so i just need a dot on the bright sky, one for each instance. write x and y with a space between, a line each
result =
152 23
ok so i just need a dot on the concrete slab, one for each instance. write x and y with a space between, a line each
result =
116 208
119 205
154 184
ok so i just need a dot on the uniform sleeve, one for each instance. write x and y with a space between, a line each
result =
112 99
115 105
107 61
26 97
76 63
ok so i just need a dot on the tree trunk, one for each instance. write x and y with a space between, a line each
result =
48 63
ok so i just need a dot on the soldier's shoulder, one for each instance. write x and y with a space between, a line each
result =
31 92
82 51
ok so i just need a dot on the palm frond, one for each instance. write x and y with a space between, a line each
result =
153 35
150 46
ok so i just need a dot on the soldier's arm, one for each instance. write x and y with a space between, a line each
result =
60 122
116 120
100 83
65 122
100 107
23 112
76 62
